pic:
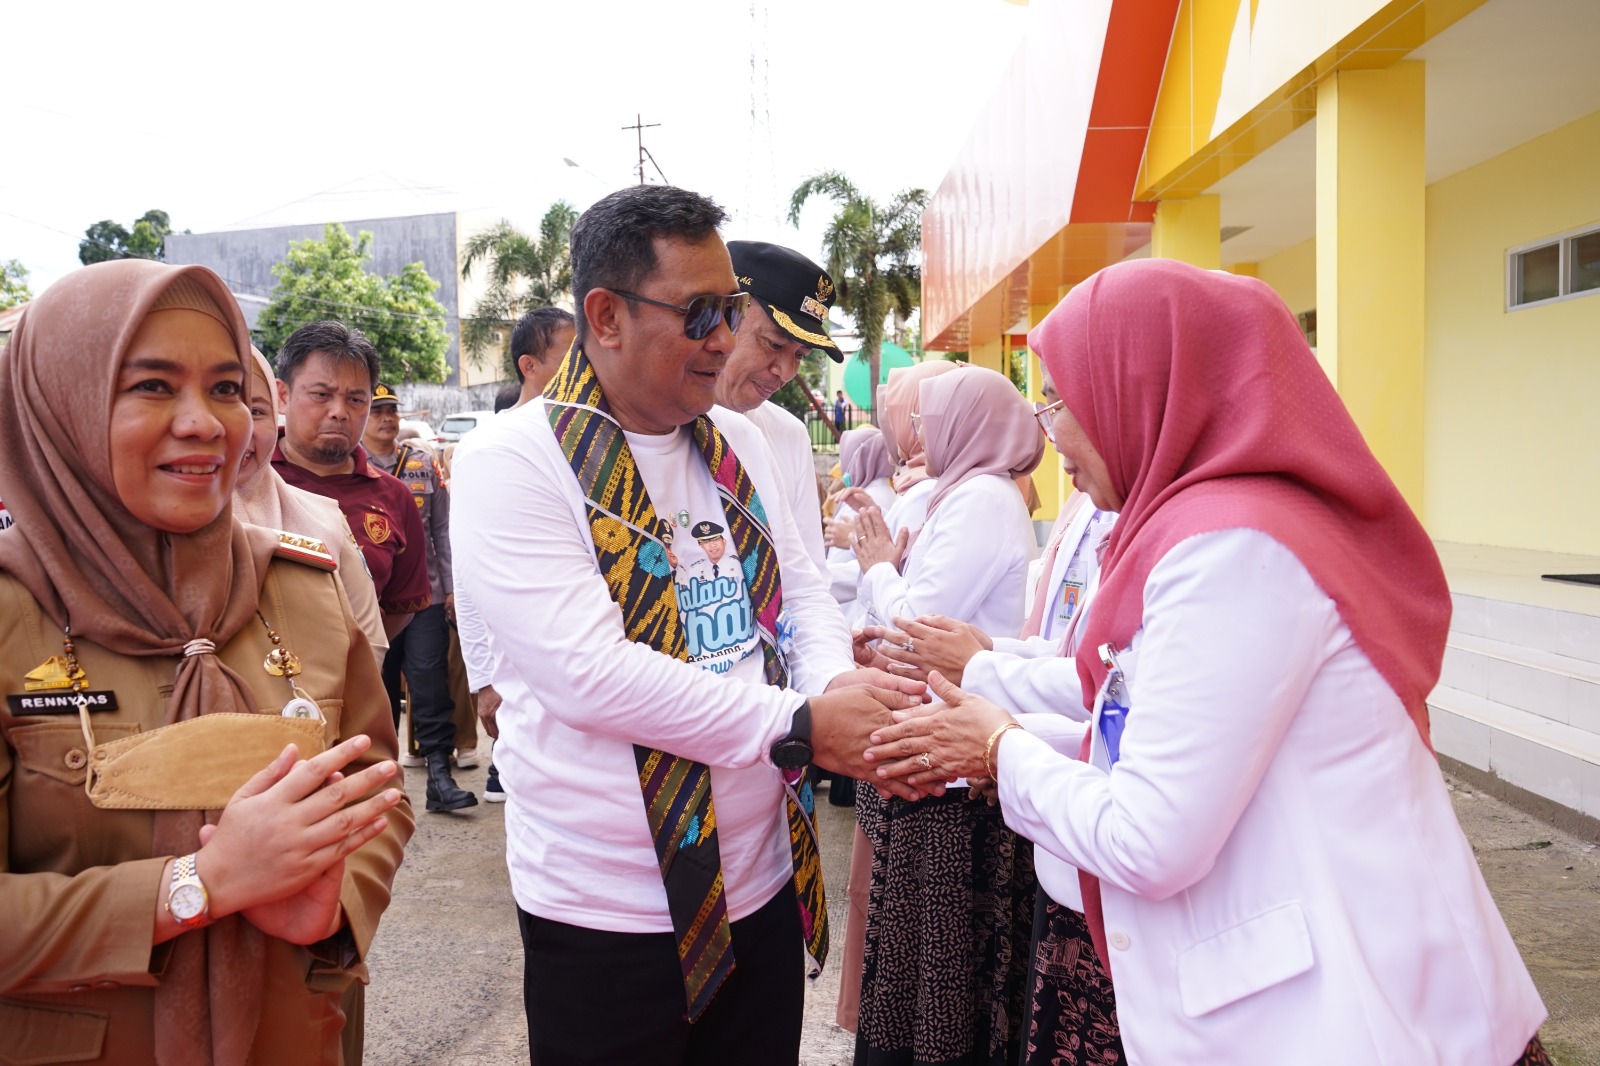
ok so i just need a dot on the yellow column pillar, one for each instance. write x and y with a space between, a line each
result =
1054 475
1049 479
989 352
1371 253
1190 230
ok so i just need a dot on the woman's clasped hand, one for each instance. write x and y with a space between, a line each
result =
923 645
277 854
874 543
939 742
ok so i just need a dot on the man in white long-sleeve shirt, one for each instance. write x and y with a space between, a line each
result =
538 344
787 321
640 680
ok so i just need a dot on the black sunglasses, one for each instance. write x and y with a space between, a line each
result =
701 314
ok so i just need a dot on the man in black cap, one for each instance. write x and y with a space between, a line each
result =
787 321
710 537
421 650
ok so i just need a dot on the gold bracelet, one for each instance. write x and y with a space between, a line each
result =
988 750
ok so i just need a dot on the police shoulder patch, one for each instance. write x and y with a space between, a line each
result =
307 550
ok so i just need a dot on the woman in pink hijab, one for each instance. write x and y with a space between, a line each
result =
902 401
952 890
1271 866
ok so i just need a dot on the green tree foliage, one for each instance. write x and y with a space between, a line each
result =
111 240
792 397
523 272
13 284
871 251
329 279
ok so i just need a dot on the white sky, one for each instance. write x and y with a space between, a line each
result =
227 115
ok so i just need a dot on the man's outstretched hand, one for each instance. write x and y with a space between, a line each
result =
844 717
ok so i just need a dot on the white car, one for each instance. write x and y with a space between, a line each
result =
457 426
420 430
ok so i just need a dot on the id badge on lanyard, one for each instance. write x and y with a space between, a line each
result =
1113 705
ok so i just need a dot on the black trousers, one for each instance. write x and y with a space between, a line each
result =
597 998
421 650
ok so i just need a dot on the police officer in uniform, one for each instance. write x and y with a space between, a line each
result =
421 651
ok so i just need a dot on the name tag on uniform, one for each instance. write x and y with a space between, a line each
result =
62 702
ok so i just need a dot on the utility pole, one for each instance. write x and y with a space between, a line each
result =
638 127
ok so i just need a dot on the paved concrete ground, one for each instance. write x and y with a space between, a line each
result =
447 965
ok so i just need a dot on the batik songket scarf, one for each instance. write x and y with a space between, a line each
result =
677 792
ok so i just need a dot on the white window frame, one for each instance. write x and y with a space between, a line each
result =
1563 243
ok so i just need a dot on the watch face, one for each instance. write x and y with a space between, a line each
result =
791 754
187 902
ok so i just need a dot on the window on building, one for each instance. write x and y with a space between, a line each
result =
1308 325
1553 269
1583 262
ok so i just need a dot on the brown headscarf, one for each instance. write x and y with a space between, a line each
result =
266 499
900 400
130 588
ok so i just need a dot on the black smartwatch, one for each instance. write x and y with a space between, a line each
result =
793 750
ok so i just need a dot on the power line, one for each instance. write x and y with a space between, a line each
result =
638 127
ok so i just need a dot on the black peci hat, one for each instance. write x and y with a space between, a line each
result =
795 291
706 531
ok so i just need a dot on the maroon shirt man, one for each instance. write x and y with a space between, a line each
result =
385 522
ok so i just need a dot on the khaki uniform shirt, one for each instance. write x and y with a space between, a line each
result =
79 887
415 468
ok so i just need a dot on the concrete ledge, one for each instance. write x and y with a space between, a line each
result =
1561 688
1557 762
1546 810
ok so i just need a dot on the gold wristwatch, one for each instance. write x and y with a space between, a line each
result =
187 900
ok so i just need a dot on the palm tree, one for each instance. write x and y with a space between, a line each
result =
524 272
871 253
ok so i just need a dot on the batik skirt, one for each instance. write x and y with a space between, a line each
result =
1072 1014
949 919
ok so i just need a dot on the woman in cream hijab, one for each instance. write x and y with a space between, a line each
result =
262 498
179 885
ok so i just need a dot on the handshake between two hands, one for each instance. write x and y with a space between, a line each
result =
880 728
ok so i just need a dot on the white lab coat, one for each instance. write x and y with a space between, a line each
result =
1283 877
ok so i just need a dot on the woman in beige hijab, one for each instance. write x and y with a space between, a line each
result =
179 885
262 498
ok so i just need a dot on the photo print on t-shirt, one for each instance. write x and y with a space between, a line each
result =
719 625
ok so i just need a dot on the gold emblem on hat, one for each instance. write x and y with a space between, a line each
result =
53 674
824 289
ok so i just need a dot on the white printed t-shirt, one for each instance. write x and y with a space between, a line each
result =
714 608
578 694
719 627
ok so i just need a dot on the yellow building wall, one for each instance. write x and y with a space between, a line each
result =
1292 273
989 352
1512 443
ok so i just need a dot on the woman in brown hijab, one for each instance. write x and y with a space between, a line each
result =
180 884
263 498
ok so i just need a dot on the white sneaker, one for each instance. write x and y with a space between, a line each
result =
467 758
408 759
